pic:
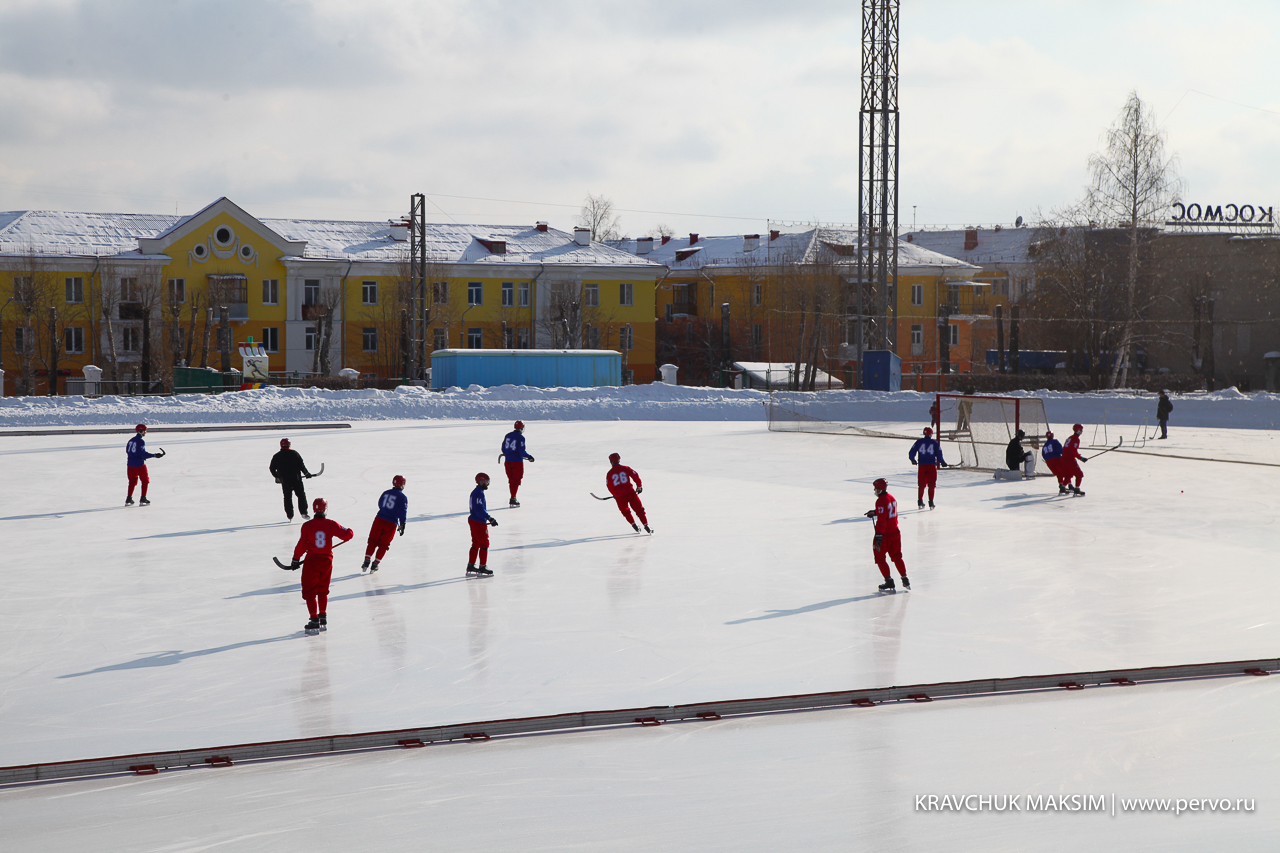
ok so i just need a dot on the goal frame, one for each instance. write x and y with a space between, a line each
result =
978 448
939 397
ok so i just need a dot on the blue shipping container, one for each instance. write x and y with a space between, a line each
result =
881 370
540 368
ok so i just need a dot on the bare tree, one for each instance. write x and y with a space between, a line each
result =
598 214
326 303
562 319
34 296
662 229
1133 183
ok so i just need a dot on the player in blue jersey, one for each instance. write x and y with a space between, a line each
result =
479 521
393 507
926 454
1052 455
136 466
513 456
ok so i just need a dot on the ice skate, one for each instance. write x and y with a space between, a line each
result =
919 504
484 571
471 569
648 529
143 502
1063 490
306 517
128 501
1075 490
930 504
373 568
635 527
906 582
324 622
513 502
888 586
365 565
312 627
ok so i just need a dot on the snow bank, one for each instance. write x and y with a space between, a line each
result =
656 402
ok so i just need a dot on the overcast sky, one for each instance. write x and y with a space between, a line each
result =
702 115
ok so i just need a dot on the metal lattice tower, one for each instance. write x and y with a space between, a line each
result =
878 168
415 354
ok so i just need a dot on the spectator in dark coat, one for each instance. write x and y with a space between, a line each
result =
1163 408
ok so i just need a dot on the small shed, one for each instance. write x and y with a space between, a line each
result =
778 375
540 368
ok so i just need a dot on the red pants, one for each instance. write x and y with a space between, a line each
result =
479 543
381 534
515 473
1071 468
316 573
891 545
628 501
135 475
1058 469
926 475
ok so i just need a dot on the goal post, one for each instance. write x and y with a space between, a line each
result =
982 426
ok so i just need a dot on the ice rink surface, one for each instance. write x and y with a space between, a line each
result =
165 627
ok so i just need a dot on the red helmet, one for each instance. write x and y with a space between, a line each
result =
1077 427
397 482
284 442
1049 434
614 458
319 505
880 484
519 424
482 478
928 430
140 428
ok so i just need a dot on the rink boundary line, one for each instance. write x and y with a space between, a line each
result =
192 428
151 763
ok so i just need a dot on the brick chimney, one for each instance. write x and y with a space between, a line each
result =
693 238
970 239
542 226
774 235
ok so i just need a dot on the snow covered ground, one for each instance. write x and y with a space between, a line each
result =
168 626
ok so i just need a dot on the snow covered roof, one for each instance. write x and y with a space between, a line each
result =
61 233
993 245
740 250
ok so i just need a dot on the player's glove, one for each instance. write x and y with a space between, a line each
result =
493 522
277 479
639 490
402 528
308 476
871 513
914 462
879 539
295 565
530 458
159 453
1083 459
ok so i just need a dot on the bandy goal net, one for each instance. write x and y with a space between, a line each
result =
983 426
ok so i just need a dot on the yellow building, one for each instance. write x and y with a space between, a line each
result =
138 294
790 298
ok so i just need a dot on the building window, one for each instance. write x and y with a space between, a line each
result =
628 377
129 290
591 337
508 337
24 288
177 291
369 338
953 333
668 312
131 339
311 291
953 297
75 290
626 296
626 338
917 294
757 295
475 339
271 291
271 339
22 340
309 338
757 335
74 339
592 293
438 339
522 337
508 294
524 294
917 339
369 293
475 293
440 292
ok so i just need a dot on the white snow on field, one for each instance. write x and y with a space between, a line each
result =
139 629
1229 408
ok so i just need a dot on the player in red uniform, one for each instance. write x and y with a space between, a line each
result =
888 539
317 538
618 481
1070 459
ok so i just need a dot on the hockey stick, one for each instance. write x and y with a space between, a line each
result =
321 471
289 568
597 497
1108 450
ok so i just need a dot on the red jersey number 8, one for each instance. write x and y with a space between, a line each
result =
619 478
320 538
